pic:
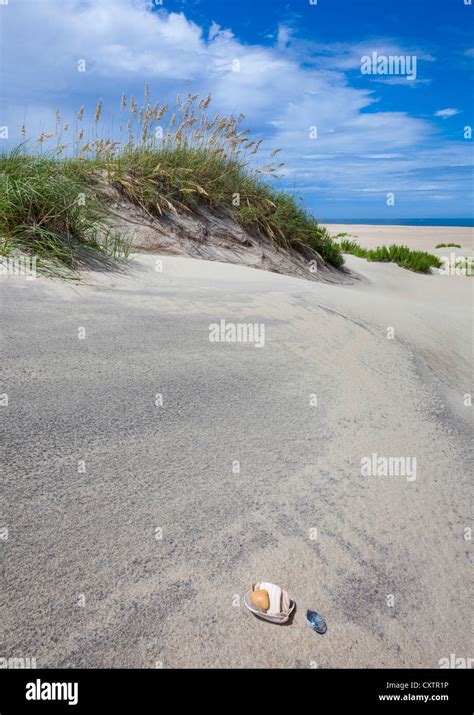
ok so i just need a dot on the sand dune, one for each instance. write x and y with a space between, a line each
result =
389 361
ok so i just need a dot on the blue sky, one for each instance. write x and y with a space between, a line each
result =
299 67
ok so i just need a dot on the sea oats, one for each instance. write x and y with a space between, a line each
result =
98 111
148 113
206 102
45 135
257 146
179 132
162 111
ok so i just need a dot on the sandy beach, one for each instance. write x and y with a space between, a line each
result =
236 436
87 582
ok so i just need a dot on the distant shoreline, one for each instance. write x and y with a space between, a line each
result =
427 222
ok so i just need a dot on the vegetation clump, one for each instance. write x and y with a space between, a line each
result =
167 160
418 261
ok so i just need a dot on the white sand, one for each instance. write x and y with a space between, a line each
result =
388 568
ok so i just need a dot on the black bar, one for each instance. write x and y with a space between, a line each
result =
109 690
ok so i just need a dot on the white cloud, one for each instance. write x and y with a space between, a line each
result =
348 56
448 112
283 89
400 80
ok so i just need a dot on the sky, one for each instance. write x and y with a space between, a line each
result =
358 139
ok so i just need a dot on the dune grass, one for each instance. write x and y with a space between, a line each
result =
418 261
448 245
183 178
52 205
48 211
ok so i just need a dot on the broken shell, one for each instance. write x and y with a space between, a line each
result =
281 604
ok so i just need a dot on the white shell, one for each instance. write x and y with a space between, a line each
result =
274 595
288 605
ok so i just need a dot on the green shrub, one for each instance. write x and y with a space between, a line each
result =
418 261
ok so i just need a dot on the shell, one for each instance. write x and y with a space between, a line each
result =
281 604
316 622
260 599
274 594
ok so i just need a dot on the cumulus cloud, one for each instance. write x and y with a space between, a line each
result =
285 89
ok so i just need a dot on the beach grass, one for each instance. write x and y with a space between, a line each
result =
418 261
448 245
48 211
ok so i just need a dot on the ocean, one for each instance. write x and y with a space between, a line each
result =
402 221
